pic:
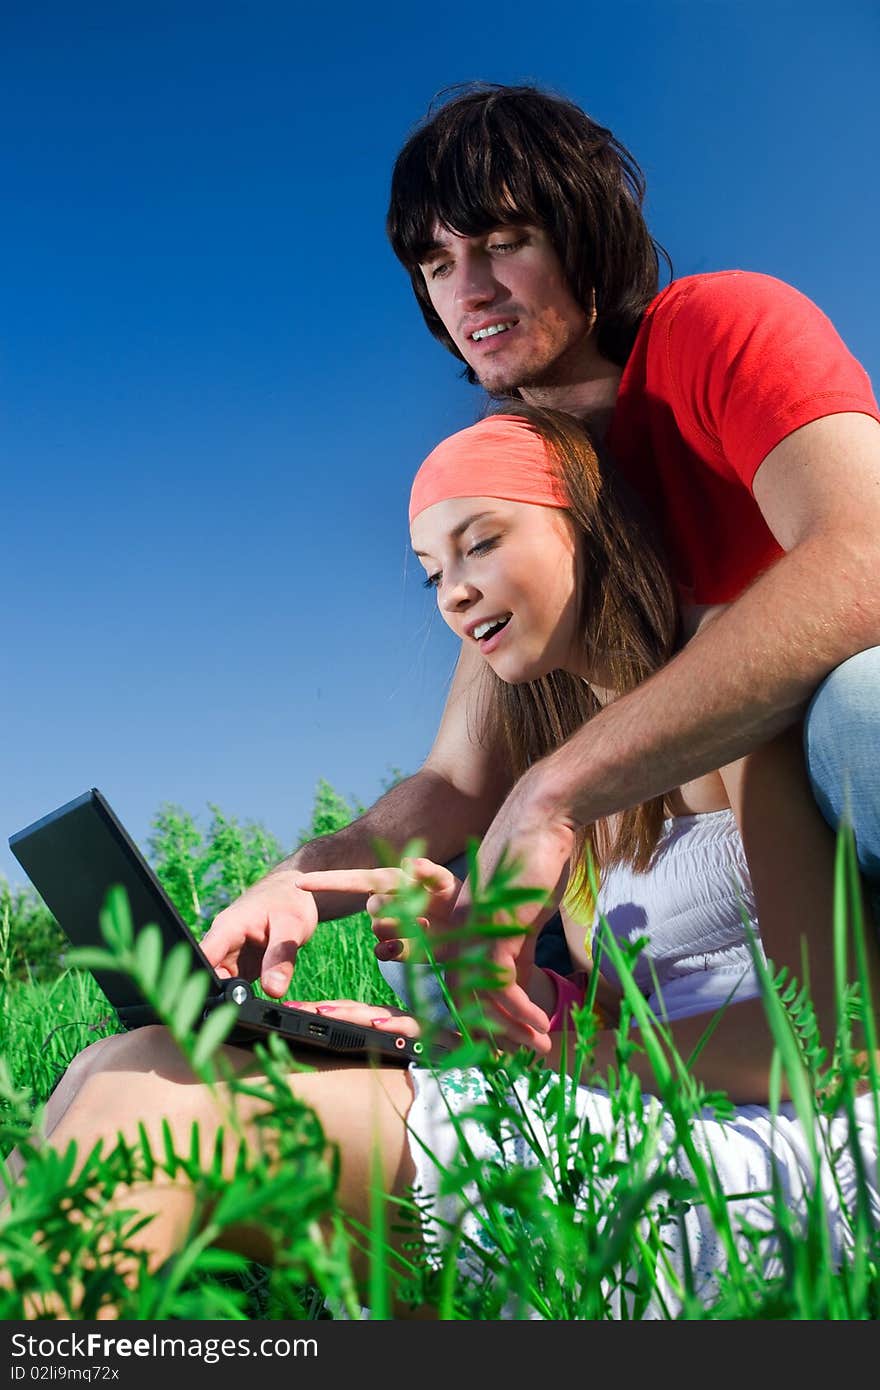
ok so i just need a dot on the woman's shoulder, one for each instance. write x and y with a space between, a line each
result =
702 795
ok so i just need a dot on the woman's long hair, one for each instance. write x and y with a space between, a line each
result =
627 616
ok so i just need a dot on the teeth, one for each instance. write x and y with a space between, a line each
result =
490 331
483 628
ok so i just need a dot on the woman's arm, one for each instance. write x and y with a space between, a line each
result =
736 1059
790 852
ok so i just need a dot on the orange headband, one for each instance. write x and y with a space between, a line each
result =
501 456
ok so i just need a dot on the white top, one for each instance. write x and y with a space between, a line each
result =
690 905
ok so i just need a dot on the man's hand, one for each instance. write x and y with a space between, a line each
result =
260 933
539 839
382 885
516 1021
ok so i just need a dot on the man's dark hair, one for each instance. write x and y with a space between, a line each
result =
495 155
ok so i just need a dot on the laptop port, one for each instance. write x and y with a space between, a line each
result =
319 1030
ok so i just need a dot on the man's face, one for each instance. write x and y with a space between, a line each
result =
505 303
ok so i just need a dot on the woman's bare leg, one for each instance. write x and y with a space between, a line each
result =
142 1077
82 1066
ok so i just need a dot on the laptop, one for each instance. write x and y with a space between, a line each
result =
76 853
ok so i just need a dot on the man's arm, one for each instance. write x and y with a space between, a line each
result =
751 672
453 796
744 677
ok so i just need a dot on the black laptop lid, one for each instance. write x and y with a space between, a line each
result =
73 857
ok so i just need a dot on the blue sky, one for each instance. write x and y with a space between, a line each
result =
215 385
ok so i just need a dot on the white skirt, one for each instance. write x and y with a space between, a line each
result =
750 1151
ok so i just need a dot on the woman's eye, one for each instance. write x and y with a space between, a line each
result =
504 246
439 270
482 547
432 580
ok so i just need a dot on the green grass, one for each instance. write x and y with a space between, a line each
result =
44 1024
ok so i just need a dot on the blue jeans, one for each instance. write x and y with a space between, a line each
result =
842 747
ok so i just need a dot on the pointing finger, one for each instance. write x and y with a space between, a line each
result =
350 880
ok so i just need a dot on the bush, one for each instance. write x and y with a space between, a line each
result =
31 941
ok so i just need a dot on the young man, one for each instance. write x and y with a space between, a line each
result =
732 407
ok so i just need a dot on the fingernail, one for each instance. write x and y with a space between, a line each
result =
384 1019
276 979
293 1003
389 950
326 1008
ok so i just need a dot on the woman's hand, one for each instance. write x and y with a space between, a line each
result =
382 1016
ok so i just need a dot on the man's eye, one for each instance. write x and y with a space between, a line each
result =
505 246
432 580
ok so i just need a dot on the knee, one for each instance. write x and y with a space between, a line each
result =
119 1073
83 1066
842 745
87 1061
848 695
146 1048
842 727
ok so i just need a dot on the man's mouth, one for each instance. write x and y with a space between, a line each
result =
484 631
491 330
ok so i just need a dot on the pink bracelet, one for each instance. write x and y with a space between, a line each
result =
570 991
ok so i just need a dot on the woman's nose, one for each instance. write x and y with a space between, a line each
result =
456 595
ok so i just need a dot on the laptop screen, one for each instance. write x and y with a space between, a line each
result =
73 857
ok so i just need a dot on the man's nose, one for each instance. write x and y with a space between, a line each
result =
475 283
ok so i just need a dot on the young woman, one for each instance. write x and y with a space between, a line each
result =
544 566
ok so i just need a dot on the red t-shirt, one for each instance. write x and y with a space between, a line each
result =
724 366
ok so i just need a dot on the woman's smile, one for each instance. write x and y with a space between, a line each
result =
505 575
488 636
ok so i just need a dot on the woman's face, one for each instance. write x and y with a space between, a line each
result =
506 580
